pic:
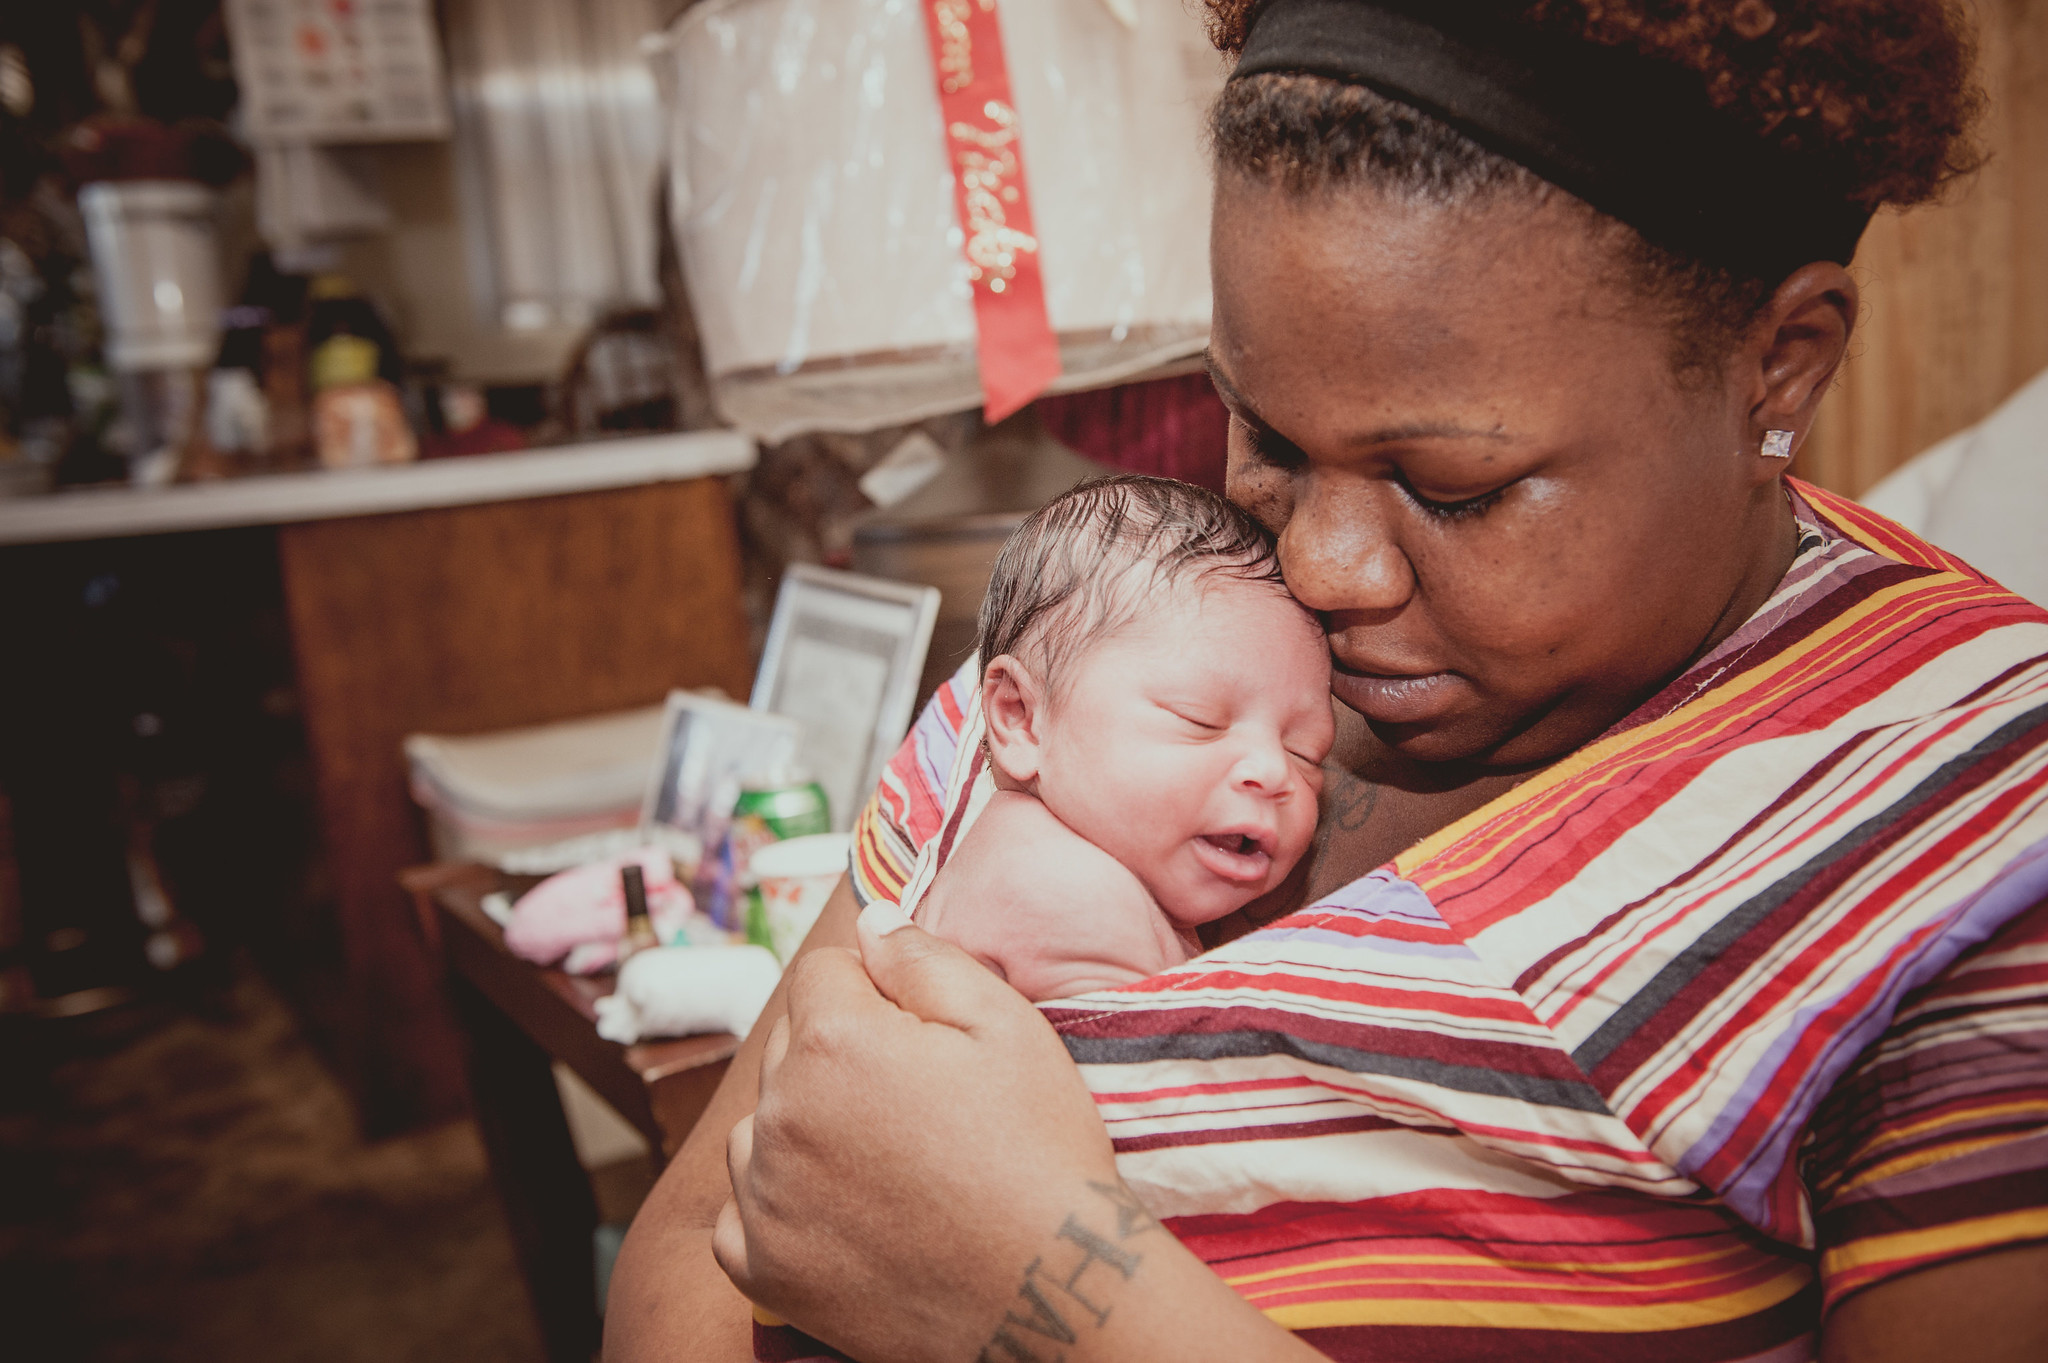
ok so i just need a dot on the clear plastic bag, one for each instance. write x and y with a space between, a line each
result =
814 212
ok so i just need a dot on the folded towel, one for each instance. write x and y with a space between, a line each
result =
682 991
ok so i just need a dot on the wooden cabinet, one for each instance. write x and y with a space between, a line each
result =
1955 295
464 620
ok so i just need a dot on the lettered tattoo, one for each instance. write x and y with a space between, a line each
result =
1071 1285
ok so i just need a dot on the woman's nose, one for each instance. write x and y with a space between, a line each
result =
1338 551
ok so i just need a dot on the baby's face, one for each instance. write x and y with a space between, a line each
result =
1189 745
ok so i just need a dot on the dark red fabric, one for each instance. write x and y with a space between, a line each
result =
1175 428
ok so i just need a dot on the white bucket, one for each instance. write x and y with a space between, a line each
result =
796 877
157 262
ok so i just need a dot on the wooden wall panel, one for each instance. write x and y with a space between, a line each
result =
1955 296
468 620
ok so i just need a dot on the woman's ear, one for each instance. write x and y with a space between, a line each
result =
1802 338
1013 707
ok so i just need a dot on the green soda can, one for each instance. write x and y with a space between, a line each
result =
765 814
772 813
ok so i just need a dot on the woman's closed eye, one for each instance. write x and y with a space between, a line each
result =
1269 447
1274 450
1452 509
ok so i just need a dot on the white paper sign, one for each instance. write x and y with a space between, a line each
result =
338 70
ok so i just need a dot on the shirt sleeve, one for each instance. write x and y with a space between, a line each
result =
907 807
1935 1148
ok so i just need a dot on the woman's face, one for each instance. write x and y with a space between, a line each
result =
1514 518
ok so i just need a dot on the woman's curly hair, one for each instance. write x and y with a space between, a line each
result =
1880 89
1878 92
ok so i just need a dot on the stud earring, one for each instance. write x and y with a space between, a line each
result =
1777 445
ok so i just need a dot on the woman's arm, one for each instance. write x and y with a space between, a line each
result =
1992 1309
1929 1169
926 1178
669 1300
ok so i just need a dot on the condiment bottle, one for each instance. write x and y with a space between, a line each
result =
357 419
639 927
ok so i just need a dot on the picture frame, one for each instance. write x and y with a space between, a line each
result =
843 657
710 750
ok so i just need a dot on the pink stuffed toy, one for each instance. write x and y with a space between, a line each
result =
580 914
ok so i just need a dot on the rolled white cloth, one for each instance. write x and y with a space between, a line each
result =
682 991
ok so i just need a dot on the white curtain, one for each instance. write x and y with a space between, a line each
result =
559 128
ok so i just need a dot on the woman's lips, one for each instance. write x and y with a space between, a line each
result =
1407 699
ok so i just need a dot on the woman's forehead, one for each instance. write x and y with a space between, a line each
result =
1370 319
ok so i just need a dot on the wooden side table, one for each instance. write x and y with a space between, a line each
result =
520 1018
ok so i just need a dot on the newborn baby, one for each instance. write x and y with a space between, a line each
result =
1157 711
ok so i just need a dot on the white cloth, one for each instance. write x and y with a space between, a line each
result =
1982 494
684 991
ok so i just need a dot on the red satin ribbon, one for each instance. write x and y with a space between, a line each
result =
1018 353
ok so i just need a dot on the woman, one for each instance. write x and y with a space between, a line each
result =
1695 1011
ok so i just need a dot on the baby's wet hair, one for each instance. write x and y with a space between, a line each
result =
1085 564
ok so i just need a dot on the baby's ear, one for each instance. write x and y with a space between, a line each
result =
1012 706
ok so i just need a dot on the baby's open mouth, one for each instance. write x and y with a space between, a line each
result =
1240 857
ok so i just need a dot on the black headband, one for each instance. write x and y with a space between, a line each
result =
1631 136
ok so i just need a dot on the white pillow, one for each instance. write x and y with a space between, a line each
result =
1983 494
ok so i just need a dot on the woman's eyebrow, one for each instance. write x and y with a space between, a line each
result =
1385 435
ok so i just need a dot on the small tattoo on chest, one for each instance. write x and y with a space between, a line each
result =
1349 801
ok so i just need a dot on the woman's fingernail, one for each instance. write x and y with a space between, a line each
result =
882 918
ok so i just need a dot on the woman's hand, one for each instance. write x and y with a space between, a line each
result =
890 1109
926 1180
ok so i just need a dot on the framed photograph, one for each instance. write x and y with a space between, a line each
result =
710 751
843 657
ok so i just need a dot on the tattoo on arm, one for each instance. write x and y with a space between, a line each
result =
1072 1283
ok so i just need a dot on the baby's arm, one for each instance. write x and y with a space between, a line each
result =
1051 912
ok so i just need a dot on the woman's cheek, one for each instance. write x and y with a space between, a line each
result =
1493 593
